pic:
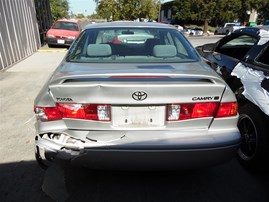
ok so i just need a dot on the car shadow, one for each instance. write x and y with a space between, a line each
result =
21 181
25 181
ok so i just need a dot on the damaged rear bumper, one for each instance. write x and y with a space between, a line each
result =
56 147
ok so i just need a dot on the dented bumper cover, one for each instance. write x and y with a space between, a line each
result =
119 150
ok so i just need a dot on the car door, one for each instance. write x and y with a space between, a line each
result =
253 121
228 52
258 60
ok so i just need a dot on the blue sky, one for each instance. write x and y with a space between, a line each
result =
86 7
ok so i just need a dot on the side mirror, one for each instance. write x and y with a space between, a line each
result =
208 47
205 49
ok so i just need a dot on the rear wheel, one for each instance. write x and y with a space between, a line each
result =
254 129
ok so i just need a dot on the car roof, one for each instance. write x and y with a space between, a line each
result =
67 20
129 24
252 30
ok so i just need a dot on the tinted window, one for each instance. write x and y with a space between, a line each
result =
131 45
263 58
237 47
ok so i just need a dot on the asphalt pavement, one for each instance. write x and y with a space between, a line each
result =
20 177
22 180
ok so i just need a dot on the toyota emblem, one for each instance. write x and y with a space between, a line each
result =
139 95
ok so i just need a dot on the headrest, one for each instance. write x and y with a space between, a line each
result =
164 51
99 50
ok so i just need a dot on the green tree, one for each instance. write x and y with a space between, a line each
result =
264 11
59 9
148 9
198 10
219 11
183 10
94 16
106 9
80 15
127 9
249 5
227 11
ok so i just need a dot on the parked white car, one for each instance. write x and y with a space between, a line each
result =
195 31
180 28
228 28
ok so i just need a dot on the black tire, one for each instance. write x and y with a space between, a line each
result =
254 128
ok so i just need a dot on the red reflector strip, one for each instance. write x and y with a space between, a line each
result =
135 77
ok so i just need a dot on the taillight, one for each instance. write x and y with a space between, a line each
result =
95 112
177 112
47 113
227 109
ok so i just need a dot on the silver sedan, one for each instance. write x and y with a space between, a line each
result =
134 95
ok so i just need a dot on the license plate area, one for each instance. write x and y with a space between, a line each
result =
138 116
60 41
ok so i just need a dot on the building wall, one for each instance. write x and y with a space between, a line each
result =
19 34
253 16
166 11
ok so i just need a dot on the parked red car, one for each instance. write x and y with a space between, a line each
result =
63 33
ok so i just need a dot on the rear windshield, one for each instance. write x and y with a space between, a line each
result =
66 26
131 45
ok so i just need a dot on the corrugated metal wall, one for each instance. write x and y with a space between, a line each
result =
19 33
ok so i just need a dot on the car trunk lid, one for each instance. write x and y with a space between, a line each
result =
138 97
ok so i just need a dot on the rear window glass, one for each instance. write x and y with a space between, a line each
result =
243 40
237 47
131 45
66 26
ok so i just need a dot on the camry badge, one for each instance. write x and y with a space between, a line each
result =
139 95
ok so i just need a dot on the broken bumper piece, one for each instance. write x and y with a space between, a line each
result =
57 147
